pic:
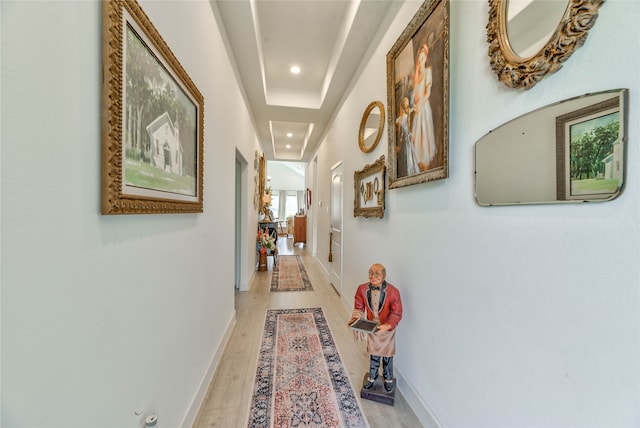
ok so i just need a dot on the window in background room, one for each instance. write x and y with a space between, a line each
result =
292 203
275 201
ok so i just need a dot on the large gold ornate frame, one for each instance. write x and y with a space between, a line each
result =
430 26
571 33
117 197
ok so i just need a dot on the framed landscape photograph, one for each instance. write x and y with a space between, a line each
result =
418 98
369 186
152 120
590 154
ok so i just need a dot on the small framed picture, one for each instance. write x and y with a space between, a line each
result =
590 151
369 184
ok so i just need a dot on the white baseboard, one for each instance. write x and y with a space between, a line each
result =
417 404
245 286
324 269
346 300
203 389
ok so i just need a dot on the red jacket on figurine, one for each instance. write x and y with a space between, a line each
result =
390 303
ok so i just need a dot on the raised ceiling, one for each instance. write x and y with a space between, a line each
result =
330 40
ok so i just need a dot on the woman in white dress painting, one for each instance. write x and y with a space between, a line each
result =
424 139
407 162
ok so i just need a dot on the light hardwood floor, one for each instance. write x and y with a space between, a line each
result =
227 402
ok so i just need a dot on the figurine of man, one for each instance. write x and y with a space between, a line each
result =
377 300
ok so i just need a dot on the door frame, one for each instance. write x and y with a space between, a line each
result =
241 215
337 276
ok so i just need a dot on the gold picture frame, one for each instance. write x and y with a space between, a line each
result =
524 73
371 127
369 185
256 180
262 179
418 98
152 120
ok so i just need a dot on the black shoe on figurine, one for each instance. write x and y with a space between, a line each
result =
388 385
369 383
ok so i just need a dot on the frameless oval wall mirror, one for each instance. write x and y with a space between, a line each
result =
371 127
570 151
529 39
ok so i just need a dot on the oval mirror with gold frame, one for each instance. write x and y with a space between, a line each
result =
371 127
570 33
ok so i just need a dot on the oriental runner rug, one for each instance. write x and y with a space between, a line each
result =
290 275
300 379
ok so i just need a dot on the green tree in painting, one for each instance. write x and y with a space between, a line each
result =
142 76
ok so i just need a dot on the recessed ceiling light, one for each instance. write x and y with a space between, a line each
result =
288 146
294 69
289 134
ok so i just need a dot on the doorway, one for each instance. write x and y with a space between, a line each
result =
336 226
240 250
238 208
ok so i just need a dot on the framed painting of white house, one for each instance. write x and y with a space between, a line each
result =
152 120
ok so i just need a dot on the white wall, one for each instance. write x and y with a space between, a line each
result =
106 316
513 316
283 177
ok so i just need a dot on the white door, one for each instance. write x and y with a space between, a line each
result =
239 245
336 227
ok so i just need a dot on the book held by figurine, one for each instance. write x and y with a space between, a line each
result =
365 326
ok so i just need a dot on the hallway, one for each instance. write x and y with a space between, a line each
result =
227 402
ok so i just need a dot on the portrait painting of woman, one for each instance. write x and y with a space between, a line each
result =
417 67
424 139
